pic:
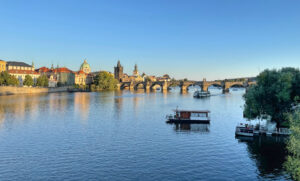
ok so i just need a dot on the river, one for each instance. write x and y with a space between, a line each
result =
122 135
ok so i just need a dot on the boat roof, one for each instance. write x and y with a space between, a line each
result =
192 111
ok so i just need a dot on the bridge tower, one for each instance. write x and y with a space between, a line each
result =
118 71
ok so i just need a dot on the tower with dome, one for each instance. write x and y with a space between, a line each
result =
85 67
83 76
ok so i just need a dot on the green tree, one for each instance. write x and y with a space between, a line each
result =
1 79
7 79
292 165
274 95
28 81
105 81
42 81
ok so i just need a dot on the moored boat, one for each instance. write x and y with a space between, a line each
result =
189 116
244 130
201 94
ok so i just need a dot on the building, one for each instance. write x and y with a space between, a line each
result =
85 67
165 77
64 76
118 72
60 76
136 76
52 77
83 76
20 70
2 66
152 78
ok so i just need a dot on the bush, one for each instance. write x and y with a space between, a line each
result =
292 164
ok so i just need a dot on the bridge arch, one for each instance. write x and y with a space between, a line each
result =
228 85
206 85
138 84
155 84
124 85
185 84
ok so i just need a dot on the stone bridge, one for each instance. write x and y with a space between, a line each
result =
146 85
184 85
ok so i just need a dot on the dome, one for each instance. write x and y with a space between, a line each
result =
85 67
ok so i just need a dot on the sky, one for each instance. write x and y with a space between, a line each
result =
194 39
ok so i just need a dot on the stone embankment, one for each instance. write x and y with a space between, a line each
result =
11 90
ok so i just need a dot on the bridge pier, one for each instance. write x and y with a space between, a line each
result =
165 86
147 87
131 86
204 88
183 88
225 90
118 86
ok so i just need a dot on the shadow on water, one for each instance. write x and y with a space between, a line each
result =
268 153
199 128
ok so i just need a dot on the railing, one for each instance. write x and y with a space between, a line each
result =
284 131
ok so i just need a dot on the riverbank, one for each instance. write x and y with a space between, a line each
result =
12 90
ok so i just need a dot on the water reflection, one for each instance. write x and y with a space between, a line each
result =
19 106
203 128
45 134
267 152
118 103
82 105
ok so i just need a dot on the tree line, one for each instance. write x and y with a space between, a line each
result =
10 80
276 97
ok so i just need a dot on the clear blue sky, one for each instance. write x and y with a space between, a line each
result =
194 39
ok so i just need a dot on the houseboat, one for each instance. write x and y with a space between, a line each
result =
244 130
189 116
201 94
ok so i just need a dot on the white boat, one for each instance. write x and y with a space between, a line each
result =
244 130
201 94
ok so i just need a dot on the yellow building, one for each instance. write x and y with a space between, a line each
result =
2 66
20 70
83 76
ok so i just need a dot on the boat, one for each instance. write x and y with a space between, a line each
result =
201 94
189 116
244 130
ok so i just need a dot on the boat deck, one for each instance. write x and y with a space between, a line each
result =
180 121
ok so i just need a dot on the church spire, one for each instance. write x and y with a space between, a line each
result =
135 68
135 71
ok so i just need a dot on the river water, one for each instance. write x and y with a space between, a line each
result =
123 136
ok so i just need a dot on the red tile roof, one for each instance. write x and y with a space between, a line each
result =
80 72
63 70
43 70
22 72
56 70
